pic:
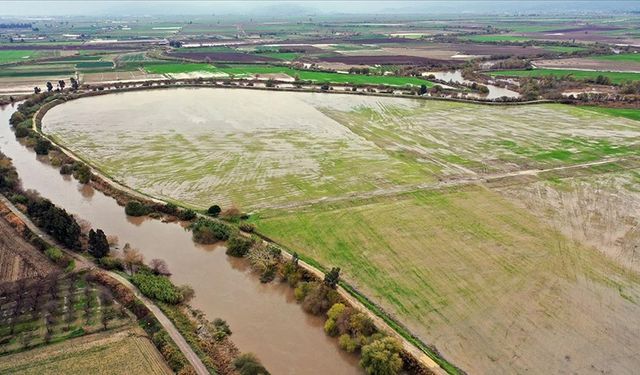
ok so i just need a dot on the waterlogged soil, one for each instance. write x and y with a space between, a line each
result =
258 149
264 318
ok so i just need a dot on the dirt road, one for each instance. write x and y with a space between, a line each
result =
83 263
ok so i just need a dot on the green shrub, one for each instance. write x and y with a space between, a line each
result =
157 287
70 266
382 357
186 215
214 210
66 169
23 129
238 245
248 364
347 343
19 199
135 208
82 173
42 146
54 254
208 231
111 263
247 227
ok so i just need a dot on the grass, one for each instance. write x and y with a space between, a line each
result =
440 258
120 352
633 114
17 55
632 57
305 75
564 49
94 64
615 77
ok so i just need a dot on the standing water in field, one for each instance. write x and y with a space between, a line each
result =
456 77
264 318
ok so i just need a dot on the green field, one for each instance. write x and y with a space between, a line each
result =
305 75
615 77
633 57
288 56
18 55
564 49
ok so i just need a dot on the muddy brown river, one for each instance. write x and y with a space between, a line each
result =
264 318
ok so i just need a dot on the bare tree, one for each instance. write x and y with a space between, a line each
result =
132 259
159 267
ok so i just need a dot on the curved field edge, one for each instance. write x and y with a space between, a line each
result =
393 323
295 244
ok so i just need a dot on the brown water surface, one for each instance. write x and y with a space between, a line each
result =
264 318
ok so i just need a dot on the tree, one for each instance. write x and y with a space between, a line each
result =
61 84
98 244
214 210
332 278
42 146
423 89
37 90
238 245
159 267
49 86
135 208
382 357
248 364
108 314
132 258
74 83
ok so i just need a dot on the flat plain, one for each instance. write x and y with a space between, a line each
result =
433 209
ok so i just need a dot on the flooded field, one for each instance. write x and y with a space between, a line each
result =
259 149
370 184
264 318
495 92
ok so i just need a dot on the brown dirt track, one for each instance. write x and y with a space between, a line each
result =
18 258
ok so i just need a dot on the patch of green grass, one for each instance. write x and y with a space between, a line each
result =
630 113
633 57
615 77
10 56
564 49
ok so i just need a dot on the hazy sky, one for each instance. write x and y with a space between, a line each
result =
169 7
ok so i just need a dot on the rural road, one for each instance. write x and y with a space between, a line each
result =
83 263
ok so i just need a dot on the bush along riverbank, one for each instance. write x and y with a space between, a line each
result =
216 225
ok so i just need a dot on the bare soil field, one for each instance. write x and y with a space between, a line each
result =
126 351
602 211
388 60
230 57
18 258
133 75
589 64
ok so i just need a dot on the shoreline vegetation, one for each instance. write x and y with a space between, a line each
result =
416 355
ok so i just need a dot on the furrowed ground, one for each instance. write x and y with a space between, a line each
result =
392 191
116 352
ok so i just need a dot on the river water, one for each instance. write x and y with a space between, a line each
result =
456 76
264 318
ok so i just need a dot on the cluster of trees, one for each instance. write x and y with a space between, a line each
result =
98 244
248 364
135 208
56 222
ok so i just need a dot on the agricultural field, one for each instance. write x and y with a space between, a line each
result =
239 71
605 63
53 309
126 350
16 56
18 258
615 77
389 190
